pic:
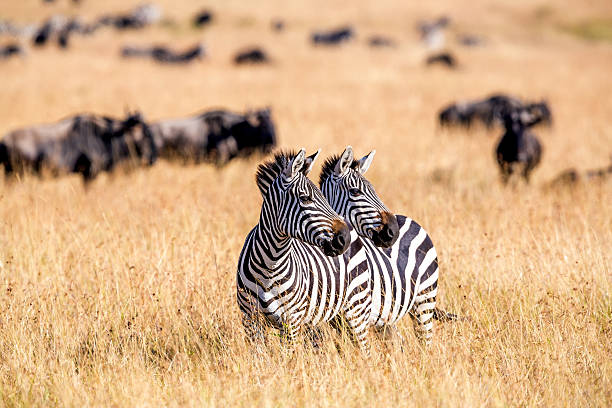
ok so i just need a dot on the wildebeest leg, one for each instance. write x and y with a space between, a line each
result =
83 166
506 171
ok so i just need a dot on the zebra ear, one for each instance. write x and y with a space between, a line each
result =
295 165
344 162
309 162
366 161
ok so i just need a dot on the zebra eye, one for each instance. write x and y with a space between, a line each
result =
305 199
355 192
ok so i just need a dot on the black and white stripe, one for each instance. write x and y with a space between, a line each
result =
298 266
405 274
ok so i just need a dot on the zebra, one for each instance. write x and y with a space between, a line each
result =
290 271
404 269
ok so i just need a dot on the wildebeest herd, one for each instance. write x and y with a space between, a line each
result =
89 144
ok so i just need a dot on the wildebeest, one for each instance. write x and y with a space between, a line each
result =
60 29
203 18
489 111
140 17
469 40
380 41
443 58
164 54
518 146
333 37
571 177
215 136
10 50
86 144
251 56
49 28
432 32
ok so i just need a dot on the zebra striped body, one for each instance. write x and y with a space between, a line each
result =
404 279
292 270
306 289
402 260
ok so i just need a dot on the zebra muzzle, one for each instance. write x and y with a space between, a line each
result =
389 231
340 240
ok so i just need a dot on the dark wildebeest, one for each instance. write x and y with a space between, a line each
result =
22 148
10 50
203 18
380 41
251 56
443 58
215 136
86 144
97 143
518 146
164 54
333 37
60 28
489 111
49 28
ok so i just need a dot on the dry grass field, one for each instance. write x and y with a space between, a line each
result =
124 294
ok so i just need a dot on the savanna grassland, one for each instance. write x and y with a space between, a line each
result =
123 294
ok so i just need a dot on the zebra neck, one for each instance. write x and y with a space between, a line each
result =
274 249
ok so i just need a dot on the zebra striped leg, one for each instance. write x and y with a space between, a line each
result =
289 334
357 319
422 314
253 328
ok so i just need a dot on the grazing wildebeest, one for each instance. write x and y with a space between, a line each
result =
203 18
251 56
140 17
443 58
215 136
380 41
572 177
518 146
10 50
165 55
333 37
86 144
97 143
489 111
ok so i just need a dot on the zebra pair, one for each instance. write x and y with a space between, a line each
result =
290 271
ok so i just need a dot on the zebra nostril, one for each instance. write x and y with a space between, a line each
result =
387 233
338 242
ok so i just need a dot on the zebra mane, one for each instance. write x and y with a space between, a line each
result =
329 165
267 172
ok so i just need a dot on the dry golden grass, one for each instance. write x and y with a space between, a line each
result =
123 294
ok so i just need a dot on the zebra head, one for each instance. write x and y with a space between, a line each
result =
294 207
352 196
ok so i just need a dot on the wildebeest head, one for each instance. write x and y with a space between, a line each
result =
261 133
138 136
541 111
519 119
